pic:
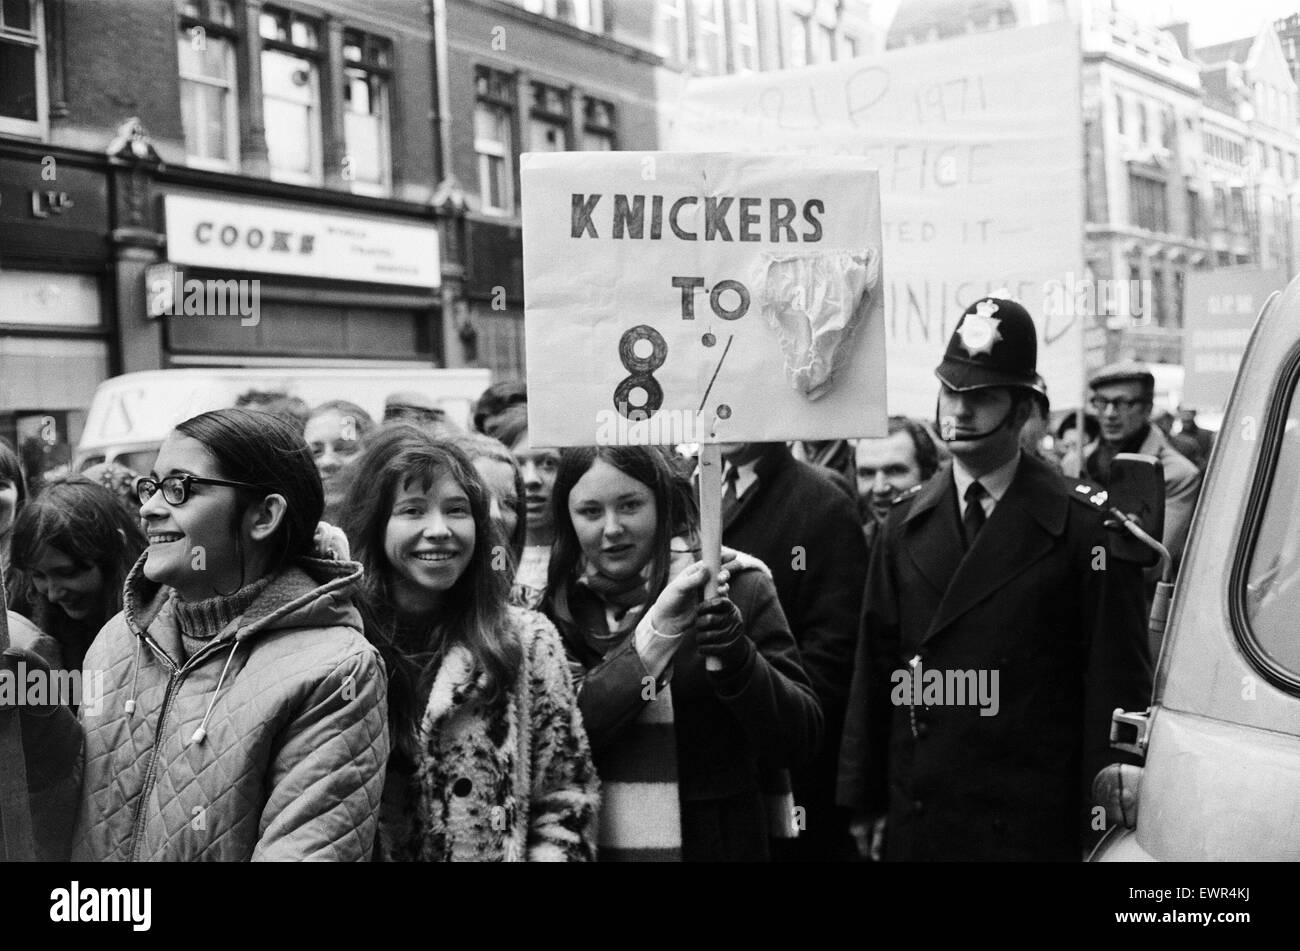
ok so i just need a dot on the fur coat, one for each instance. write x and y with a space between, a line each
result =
506 781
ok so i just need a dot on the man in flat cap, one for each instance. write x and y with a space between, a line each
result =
1122 395
998 633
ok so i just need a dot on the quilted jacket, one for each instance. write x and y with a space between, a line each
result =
510 781
268 744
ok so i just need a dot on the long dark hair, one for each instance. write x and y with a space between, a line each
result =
403 455
477 446
674 507
266 451
86 522
11 468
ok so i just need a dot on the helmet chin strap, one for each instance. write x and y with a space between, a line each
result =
971 437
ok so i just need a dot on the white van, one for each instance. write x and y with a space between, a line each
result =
132 414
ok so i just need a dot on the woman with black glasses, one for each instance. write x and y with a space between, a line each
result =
243 713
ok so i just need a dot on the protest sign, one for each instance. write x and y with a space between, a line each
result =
1219 312
676 297
978 141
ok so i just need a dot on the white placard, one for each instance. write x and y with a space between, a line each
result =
716 297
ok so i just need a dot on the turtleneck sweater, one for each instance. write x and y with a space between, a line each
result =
201 621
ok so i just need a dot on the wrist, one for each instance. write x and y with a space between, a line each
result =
655 647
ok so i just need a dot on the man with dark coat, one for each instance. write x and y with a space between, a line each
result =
1122 395
801 521
998 633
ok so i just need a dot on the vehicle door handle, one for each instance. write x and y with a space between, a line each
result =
1141 725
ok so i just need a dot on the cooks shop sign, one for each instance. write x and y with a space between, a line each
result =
275 239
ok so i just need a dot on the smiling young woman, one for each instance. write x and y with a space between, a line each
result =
237 675
490 761
73 545
681 750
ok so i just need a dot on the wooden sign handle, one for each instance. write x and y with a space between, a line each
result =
711 523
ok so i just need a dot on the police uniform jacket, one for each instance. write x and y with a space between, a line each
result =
1182 486
1039 601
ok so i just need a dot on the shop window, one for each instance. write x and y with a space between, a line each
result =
709 56
23 108
493 114
800 40
205 49
291 99
367 79
744 32
548 120
287 328
47 300
670 29
46 385
597 125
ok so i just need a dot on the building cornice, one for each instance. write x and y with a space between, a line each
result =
240 186
1092 56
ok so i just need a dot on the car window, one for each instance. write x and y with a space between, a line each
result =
1272 599
140 462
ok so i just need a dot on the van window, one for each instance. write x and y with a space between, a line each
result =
140 462
1272 599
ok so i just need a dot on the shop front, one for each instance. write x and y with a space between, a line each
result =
56 323
253 281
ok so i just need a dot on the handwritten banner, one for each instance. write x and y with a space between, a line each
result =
978 143
701 298
1220 308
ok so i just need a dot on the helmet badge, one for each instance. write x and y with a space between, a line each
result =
979 331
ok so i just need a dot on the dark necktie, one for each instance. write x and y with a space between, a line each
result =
973 520
729 500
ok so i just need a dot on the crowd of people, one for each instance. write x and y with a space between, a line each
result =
312 635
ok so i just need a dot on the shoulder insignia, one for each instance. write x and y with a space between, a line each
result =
1087 492
906 494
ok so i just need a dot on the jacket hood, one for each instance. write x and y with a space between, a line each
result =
310 592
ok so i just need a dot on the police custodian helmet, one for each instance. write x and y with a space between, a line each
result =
994 344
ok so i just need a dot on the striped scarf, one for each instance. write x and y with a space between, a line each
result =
640 814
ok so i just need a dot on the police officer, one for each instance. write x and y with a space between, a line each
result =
998 634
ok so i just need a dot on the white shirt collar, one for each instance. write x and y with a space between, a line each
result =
995 483
745 475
